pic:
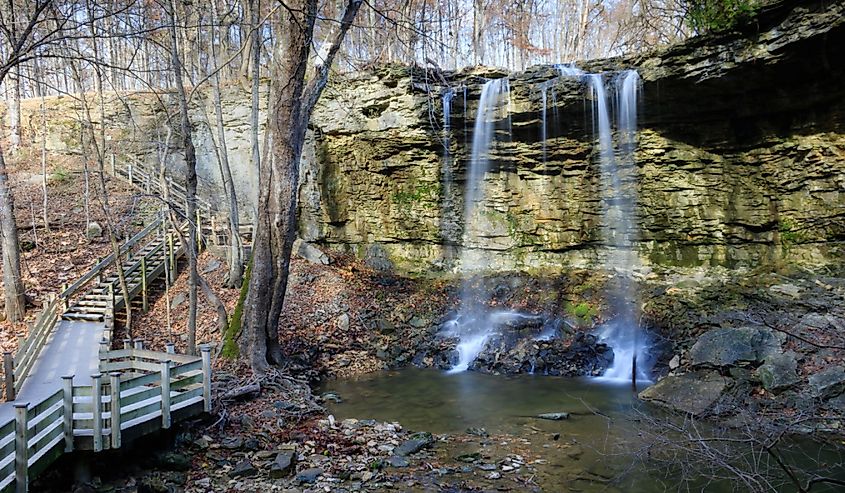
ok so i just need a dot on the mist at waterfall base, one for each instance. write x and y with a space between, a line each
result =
617 160
476 323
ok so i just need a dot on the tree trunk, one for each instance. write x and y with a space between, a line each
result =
236 260
190 183
15 110
14 294
291 104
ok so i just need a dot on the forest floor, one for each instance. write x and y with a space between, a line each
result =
51 258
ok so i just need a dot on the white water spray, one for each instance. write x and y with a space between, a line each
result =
623 334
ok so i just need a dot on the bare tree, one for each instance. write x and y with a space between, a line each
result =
190 180
294 94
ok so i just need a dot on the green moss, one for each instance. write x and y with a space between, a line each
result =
583 312
60 174
425 192
790 234
231 350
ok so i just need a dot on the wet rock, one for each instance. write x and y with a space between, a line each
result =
481 432
675 362
172 461
252 444
331 396
725 347
779 372
692 393
310 252
283 464
309 476
232 443
397 461
828 383
417 442
243 469
789 290
553 416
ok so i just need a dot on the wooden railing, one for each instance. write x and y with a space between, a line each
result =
144 391
16 368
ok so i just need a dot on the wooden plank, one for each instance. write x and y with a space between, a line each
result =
178 397
150 407
184 383
41 407
187 368
109 260
49 434
143 380
48 419
189 402
127 399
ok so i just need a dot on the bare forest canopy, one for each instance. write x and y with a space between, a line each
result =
132 37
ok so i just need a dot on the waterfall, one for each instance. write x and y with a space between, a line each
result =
619 228
448 180
474 324
543 132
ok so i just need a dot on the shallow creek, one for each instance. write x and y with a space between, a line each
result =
592 450
598 448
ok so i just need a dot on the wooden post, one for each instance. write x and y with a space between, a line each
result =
171 348
139 343
199 229
104 345
114 385
64 299
172 258
21 448
129 171
145 303
9 371
213 231
67 412
99 274
110 289
205 349
97 408
165 394
113 161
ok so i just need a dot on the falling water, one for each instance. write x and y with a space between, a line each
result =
543 131
474 324
623 333
448 181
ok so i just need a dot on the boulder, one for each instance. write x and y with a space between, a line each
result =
309 476
417 442
243 469
554 416
310 253
729 346
828 383
779 372
692 393
94 230
283 464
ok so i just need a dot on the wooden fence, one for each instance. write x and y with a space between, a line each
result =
143 391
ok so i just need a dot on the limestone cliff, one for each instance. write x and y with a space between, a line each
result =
740 157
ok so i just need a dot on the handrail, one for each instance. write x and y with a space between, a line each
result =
96 417
97 269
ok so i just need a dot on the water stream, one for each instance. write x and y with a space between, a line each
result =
473 326
622 333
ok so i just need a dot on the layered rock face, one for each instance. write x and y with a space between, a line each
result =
740 156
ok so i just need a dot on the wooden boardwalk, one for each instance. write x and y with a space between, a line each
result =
70 390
